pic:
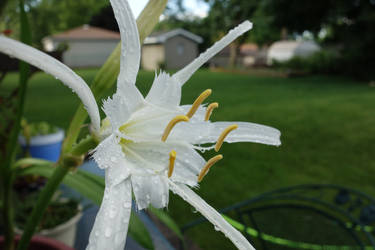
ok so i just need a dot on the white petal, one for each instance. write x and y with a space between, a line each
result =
108 153
130 53
51 66
116 109
212 215
246 132
165 91
184 74
188 163
150 189
112 221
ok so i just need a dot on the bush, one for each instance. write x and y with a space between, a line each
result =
324 61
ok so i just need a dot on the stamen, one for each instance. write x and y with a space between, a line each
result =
223 135
198 102
208 165
209 109
172 123
172 158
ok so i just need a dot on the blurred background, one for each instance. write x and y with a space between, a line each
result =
306 68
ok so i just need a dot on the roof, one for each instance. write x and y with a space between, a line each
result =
291 45
163 36
244 50
87 32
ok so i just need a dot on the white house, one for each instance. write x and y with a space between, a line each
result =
87 46
285 50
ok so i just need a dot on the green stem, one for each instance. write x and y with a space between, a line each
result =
43 200
7 176
8 211
84 145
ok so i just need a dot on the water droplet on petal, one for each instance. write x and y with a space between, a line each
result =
127 204
108 232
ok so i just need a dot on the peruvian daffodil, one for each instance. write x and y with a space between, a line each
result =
149 145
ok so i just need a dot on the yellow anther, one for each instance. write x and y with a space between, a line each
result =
198 102
209 109
172 158
172 123
208 165
224 134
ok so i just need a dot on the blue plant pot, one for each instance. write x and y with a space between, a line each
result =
46 147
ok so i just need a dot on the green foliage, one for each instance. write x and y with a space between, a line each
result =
323 62
58 212
38 128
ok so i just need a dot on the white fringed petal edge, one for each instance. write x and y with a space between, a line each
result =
59 70
212 215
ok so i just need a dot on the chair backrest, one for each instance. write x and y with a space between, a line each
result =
305 217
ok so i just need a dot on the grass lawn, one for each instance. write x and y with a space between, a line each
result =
327 126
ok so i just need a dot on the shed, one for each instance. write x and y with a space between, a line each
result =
87 46
285 50
169 49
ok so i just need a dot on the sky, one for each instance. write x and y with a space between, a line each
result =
193 6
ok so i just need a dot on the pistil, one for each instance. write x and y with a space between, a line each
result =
172 158
198 102
224 134
209 109
171 124
208 165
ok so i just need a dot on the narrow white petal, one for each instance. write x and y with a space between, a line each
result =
212 215
59 70
246 132
112 221
184 74
130 52
165 91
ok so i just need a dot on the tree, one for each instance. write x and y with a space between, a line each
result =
350 25
226 14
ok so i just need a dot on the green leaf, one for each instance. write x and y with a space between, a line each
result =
167 220
139 232
108 73
85 183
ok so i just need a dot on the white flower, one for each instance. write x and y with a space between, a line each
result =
149 144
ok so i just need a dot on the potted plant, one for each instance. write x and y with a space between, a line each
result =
60 220
41 140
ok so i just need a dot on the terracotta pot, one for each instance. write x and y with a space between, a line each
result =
40 242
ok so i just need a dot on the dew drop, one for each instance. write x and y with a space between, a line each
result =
113 159
112 212
108 232
127 204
